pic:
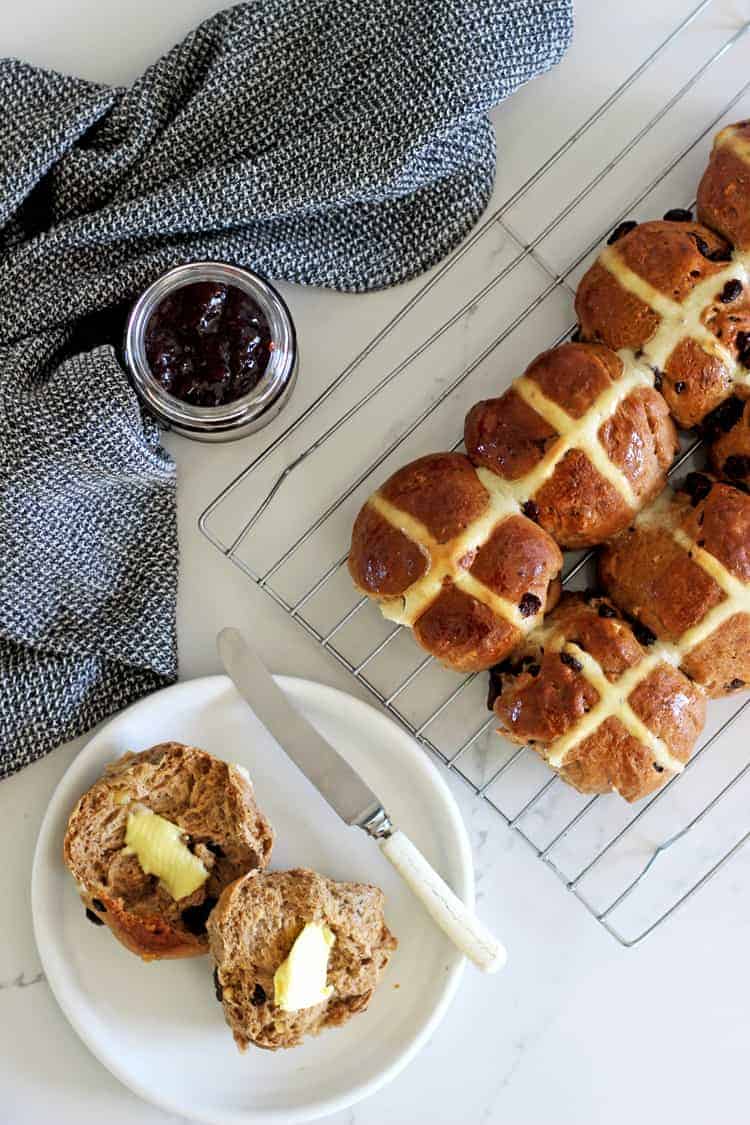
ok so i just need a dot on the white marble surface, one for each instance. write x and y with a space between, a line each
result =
578 1029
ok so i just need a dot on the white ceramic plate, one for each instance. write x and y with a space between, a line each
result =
157 1026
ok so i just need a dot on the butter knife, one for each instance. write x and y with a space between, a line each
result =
356 804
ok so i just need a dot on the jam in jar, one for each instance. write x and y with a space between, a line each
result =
208 343
211 350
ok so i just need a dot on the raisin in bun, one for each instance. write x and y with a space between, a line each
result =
443 550
579 439
606 711
727 430
671 293
213 804
251 931
683 571
724 191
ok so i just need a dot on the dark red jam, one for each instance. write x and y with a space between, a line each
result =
208 343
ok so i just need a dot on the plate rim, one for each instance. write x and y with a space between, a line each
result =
304 689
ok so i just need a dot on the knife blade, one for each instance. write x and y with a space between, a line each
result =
353 800
332 776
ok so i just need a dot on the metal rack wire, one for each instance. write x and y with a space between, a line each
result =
604 853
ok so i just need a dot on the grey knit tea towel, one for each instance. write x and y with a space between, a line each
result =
332 143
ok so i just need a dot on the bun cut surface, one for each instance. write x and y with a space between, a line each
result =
213 805
252 930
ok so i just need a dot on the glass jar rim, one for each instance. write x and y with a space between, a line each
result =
272 384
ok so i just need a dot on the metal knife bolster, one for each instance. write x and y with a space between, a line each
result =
376 824
322 765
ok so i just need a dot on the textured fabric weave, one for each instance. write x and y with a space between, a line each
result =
338 144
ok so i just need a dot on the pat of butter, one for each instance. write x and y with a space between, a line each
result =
300 981
158 846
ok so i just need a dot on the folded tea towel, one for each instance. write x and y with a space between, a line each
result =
343 144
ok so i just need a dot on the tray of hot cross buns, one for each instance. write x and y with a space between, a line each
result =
465 548
628 439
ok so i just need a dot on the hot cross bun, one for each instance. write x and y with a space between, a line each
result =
582 440
208 802
727 430
683 570
444 551
724 192
605 711
673 294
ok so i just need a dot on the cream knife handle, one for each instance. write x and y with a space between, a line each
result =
445 908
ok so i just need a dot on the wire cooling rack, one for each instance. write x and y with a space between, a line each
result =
631 866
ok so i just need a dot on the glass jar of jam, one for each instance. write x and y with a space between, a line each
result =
211 350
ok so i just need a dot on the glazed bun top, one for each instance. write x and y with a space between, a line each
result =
447 554
724 192
604 707
580 439
684 572
672 293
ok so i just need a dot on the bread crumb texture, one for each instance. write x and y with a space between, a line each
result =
252 930
211 802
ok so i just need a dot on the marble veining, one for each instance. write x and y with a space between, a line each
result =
22 981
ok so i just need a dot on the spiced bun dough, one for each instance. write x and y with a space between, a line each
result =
724 191
683 571
252 930
443 551
672 293
580 440
598 704
214 806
